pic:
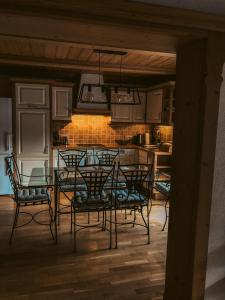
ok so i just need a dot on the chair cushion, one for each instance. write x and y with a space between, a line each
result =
124 196
82 199
71 187
33 194
163 187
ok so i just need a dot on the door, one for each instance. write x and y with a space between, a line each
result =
32 132
154 106
61 103
33 166
32 139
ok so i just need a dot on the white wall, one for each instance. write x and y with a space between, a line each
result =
215 277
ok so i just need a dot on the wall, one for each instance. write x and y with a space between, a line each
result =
215 279
96 130
5 87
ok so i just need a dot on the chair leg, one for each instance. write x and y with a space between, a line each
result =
74 232
103 220
88 217
110 228
56 213
71 218
134 217
58 207
166 216
51 219
115 221
14 222
98 216
148 222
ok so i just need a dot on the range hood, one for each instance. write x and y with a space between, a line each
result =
96 92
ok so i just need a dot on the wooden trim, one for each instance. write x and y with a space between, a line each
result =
122 11
81 66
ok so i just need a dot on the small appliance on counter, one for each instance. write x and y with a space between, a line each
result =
141 139
59 140
138 139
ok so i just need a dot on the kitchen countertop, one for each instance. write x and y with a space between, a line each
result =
129 146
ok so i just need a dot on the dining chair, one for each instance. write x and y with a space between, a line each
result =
70 159
133 192
107 156
24 196
96 197
163 186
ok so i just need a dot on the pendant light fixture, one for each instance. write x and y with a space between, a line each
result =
95 92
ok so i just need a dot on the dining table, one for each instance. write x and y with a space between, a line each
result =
51 177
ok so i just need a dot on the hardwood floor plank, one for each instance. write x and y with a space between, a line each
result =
35 268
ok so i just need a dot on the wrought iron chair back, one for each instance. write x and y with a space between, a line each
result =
138 177
13 173
71 157
106 157
27 196
95 178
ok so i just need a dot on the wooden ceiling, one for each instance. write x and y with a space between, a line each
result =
62 55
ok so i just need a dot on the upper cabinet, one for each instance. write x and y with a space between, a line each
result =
32 95
61 103
160 104
121 113
154 106
139 110
130 113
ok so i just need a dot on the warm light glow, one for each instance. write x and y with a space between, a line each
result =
97 129
84 121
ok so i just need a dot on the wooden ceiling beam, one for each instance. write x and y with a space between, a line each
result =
83 46
120 11
81 66
93 33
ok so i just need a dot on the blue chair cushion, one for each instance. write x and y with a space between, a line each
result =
33 194
83 198
124 196
163 187
71 187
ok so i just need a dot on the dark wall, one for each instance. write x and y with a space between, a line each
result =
5 87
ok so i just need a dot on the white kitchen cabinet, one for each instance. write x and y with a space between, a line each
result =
32 141
154 106
139 110
32 95
122 113
61 103
32 136
33 166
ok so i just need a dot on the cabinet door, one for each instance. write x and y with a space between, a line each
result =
32 95
32 137
61 103
139 110
143 157
154 106
34 166
121 113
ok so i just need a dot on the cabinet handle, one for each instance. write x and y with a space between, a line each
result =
46 150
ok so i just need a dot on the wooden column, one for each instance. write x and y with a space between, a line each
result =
199 68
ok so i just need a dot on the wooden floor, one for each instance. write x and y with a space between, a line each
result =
35 268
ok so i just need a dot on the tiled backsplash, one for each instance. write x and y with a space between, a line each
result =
94 129
166 133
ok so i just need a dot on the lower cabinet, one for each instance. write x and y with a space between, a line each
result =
33 166
128 156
